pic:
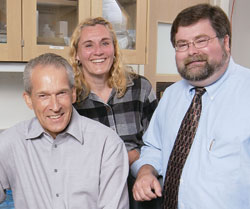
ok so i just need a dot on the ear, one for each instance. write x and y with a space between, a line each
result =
226 43
27 99
73 95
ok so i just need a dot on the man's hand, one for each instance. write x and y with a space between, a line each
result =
147 186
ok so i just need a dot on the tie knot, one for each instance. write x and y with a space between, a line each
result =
199 91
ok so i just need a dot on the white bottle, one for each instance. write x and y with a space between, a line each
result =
47 32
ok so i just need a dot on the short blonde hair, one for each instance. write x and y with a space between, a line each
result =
118 73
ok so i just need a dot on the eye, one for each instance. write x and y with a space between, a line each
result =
182 45
88 45
62 93
201 40
106 43
42 96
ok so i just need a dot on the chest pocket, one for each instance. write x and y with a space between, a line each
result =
223 159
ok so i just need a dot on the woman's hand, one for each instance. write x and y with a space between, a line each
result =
133 155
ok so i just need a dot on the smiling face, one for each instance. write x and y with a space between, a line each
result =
203 66
51 98
95 51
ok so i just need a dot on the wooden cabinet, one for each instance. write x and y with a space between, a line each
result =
10 30
43 22
134 14
27 35
33 27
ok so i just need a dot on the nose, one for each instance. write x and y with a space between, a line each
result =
98 50
54 104
192 49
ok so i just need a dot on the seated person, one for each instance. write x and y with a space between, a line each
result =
60 159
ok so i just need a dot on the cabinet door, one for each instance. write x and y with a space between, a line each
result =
49 24
10 30
129 20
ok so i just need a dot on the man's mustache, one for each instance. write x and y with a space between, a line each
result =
195 58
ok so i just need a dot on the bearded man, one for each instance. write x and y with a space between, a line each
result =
205 162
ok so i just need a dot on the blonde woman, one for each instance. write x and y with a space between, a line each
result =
106 90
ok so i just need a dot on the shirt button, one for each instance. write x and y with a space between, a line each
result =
55 170
55 146
57 195
181 181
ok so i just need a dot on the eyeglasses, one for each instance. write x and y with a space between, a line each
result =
198 43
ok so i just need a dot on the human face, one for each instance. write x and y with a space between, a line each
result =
203 66
96 51
51 98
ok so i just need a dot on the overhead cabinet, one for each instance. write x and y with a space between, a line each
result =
29 28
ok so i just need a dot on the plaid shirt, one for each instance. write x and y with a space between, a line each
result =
129 115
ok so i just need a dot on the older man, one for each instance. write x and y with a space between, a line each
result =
60 159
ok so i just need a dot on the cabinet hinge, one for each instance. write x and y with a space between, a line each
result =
22 43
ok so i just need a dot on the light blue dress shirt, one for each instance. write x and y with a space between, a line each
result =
217 171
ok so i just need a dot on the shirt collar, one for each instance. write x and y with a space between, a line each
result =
35 130
75 128
130 81
215 87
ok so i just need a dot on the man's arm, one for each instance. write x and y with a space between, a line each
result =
114 173
147 186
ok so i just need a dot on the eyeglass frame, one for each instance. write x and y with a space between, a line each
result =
194 43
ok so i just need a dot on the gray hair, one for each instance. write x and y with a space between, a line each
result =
43 60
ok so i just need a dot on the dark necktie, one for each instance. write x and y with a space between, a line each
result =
181 150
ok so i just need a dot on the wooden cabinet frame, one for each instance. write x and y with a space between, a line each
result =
11 51
31 48
162 11
137 56
22 38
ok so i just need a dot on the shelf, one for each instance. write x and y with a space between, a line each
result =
127 2
51 41
58 2
12 67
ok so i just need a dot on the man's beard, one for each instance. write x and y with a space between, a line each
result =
203 72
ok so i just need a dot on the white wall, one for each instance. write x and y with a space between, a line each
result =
12 106
165 50
241 32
